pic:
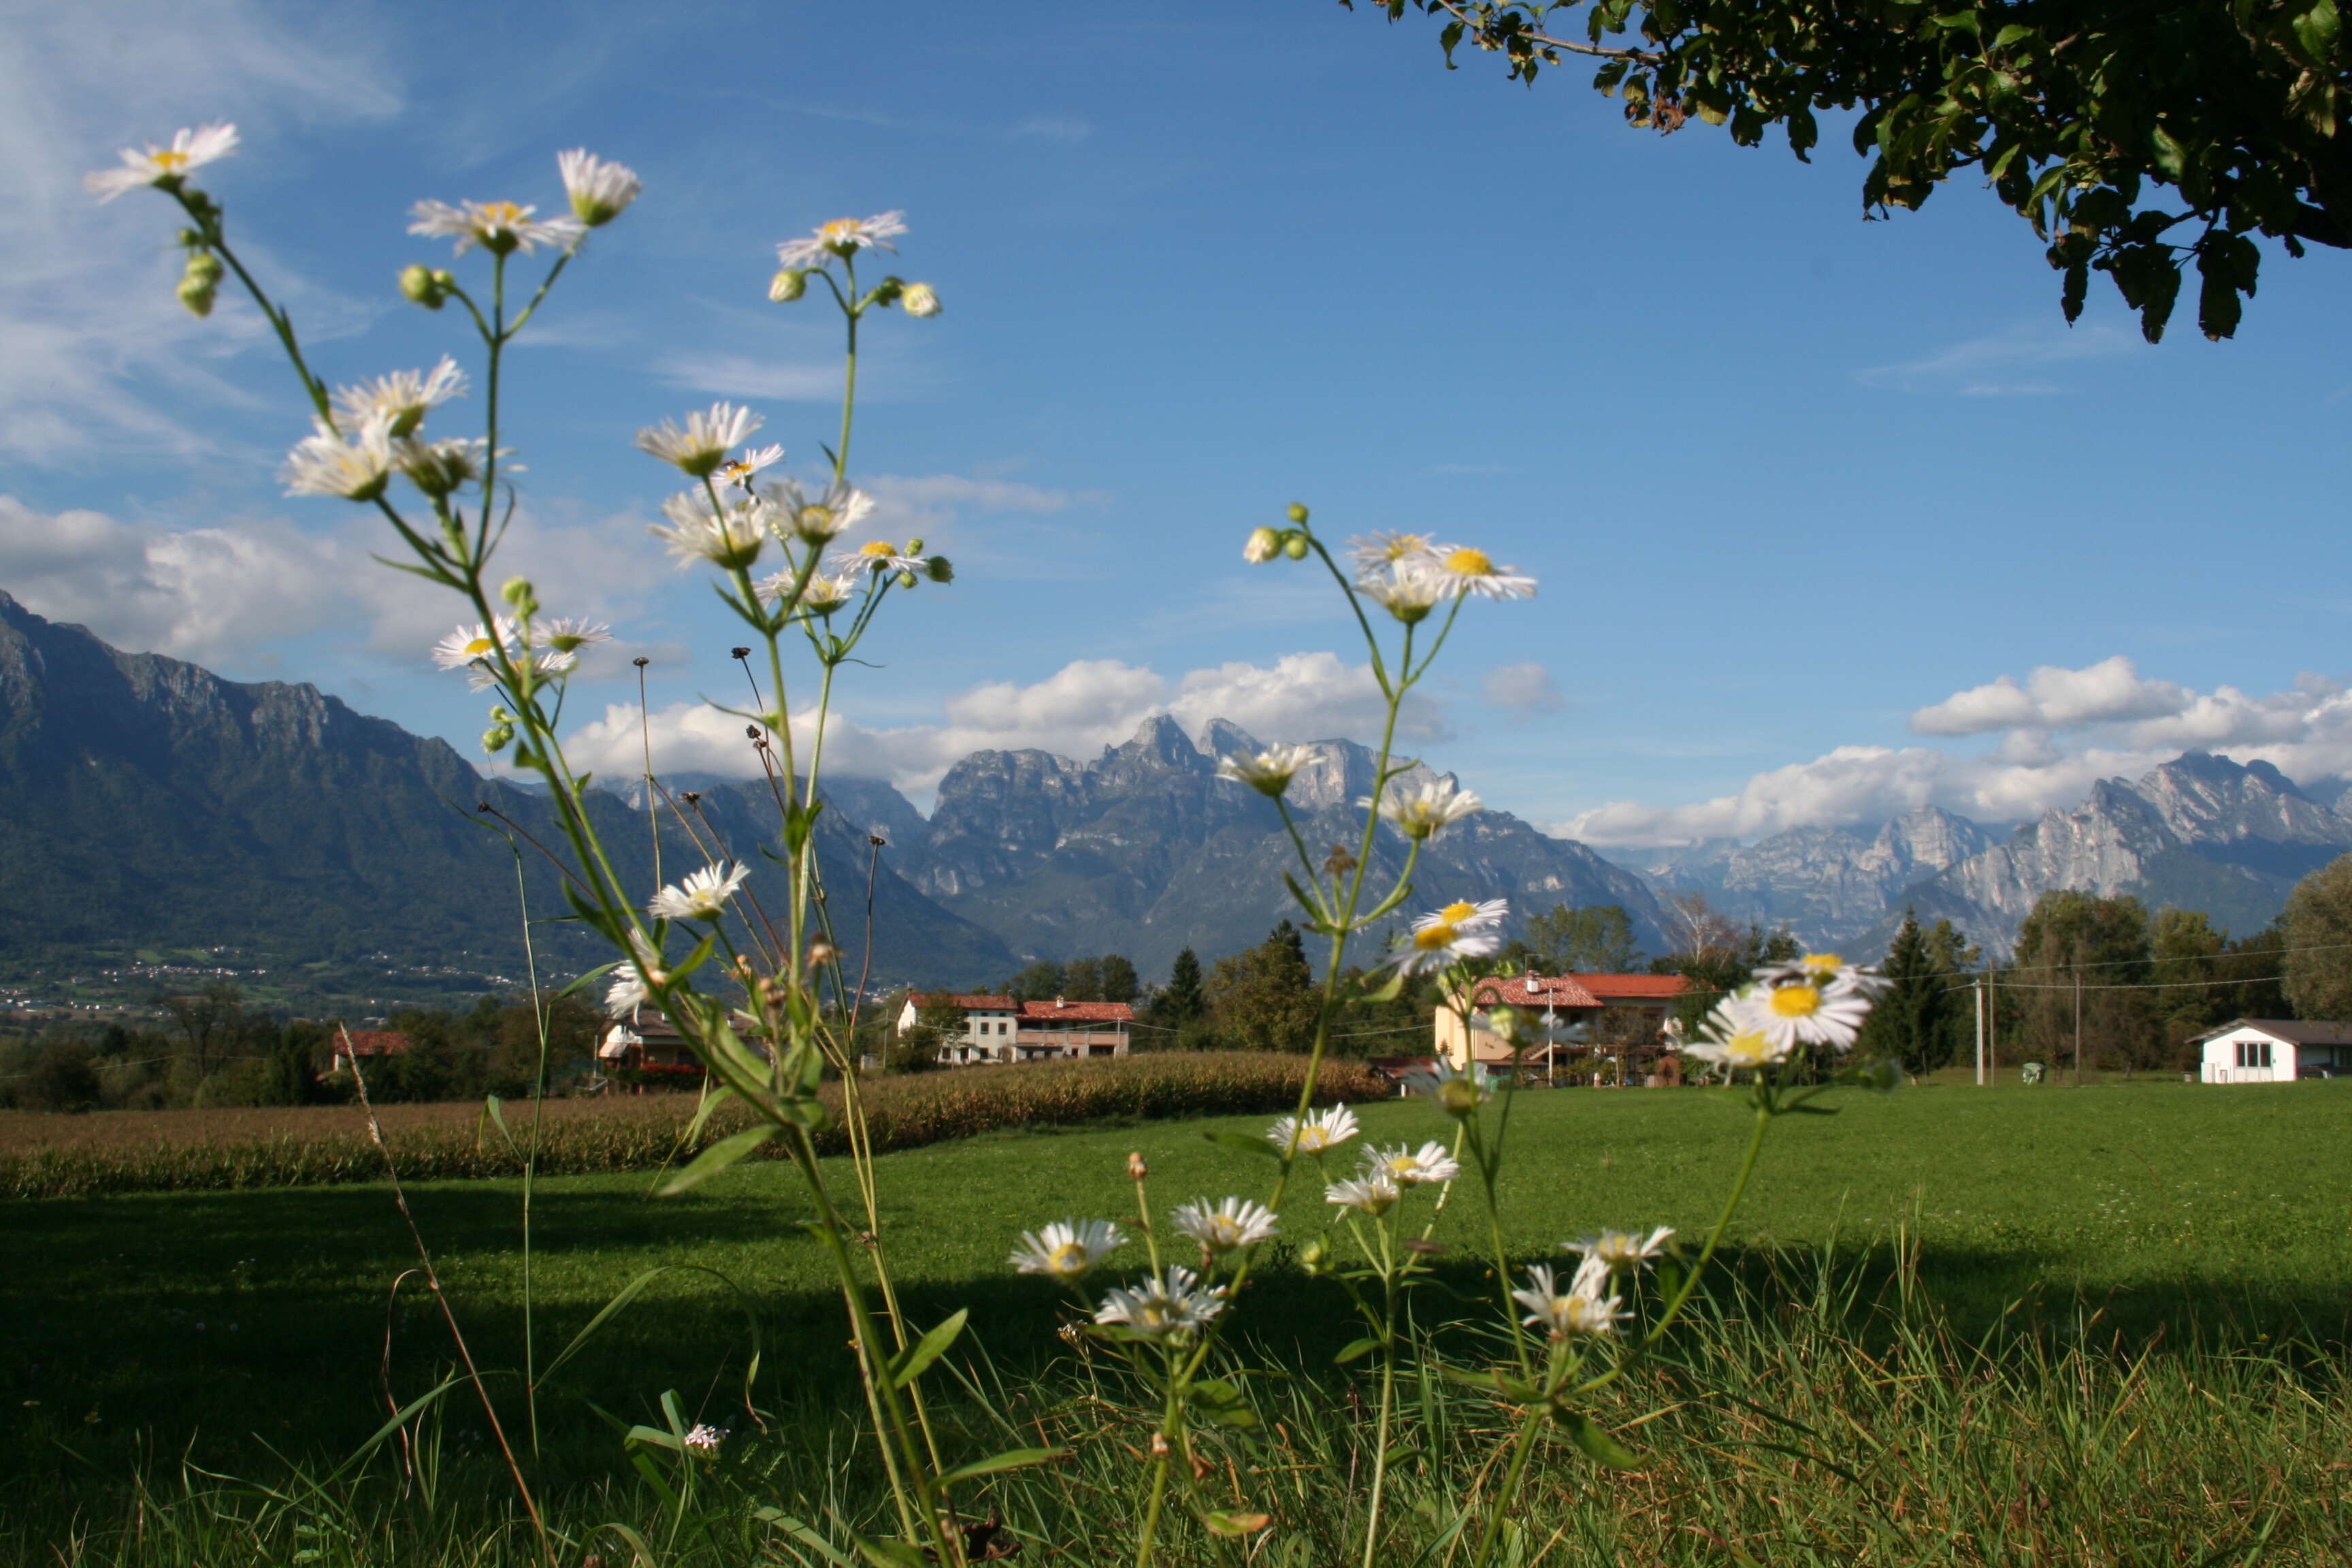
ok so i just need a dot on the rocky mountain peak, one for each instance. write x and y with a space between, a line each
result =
2209 799
1223 738
1158 746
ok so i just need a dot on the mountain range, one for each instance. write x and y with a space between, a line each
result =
157 821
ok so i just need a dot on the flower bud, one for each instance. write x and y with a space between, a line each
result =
1295 546
920 299
908 579
420 284
196 295
1458 1096
519 597
1297 512
1263 545
788 285
938 570
886 293
205 267
1136 1169
188 238
496 738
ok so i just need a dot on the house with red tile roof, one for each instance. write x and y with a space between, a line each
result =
1638 1005
367 1045
1001 1029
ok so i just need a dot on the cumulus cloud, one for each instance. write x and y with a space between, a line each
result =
1075 712
1523 689
220 595
2014 363
2063 729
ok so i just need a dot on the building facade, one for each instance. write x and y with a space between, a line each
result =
2274 1050
1622 1018
1000 1030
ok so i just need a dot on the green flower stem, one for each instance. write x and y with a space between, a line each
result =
1388 1387
209 224
849 310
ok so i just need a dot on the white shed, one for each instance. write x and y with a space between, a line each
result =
2274 1050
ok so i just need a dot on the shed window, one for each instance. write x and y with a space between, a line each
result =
2253 1053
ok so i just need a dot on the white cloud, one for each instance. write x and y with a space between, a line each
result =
740 375
1078 710
2064 729
1066 129
2003 365
1523 689
86 303
2053 698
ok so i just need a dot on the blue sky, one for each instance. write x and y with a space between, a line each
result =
1833 518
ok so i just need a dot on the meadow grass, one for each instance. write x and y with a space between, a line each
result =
2077 1278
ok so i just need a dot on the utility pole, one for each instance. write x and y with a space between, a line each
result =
2078 1015
1979 989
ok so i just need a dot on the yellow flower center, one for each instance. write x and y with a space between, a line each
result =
480 646
839 229
1225 1232
1747 1048
496 216
1437 936
1796 1001
171 160
1455 913
735 469
877 548
1824 963
1468 563
1311 1140
1405 544
1402 1165
1067 1259
813 516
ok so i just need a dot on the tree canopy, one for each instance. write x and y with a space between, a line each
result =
2139 137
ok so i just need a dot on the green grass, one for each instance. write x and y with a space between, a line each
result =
248 1322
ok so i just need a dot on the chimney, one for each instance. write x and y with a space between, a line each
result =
1059 1004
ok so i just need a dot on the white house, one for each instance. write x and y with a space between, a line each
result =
1000 1030
2274 1050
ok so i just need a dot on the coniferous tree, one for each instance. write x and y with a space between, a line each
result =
1909 1023
1185 999
1119 981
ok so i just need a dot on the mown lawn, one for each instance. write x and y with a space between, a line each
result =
233 1320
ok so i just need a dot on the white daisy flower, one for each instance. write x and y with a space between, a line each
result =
920 301
1832 975
599 191
1269 772
1372 1194
1434 944
1066 1249
1733 1040
1169 1306
1456 1092
569 634
325 463
1424 812
1462 570
842 237
1465 915
730 539
469 644
1796 1011
1380 553
1322 1132
1573 1312
705 1439
823 594
1432 1163
1619 1250
162 165
497 227
740 469
440 468
634 978
401 399
818 519
1233 1222
1408 590
703 445
877 555
701 897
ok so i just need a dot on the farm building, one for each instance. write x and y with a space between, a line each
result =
1000 1030
1626 1013
2274 1050
367 1045
645 1041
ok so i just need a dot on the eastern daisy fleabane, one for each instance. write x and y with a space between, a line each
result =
1322 1132
499 227
740 469
842 237
1169 1305
919 301
1619 1250
1833 975
1579 1310
1732 1039
165 167
401 400
325 463
1408 590
702 896
1372 1194
1432 1163
1456 1092
1463 915
468 645
1261 546
823 594
1268 772
877 555
708 436
1434 943
1233 1222
1798 1012
440 468
1463 568
634 978
818 519
730 539
1378 553
1066 1248
1427 810
599 191
569 634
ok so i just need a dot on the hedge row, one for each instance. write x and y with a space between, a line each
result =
638 1133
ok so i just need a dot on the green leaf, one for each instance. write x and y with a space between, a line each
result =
1599 1446
715 1159
1355 1350
1231 1524
1390 990
1245 1144
910 1363
805 1534
2010 35
1222 1404
493 1109
1011 1459
890 1553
